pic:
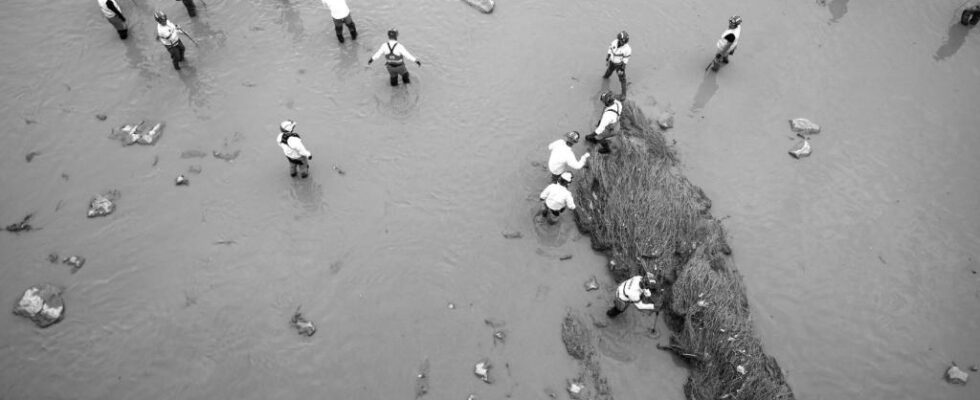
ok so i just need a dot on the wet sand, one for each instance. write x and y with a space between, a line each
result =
859 260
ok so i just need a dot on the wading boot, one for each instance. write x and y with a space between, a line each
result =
405 78
292 170
340 33
394 80
353 32
123 34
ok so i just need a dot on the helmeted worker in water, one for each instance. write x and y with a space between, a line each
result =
395 56
728 42
291 144
169 35
557 198
617 57
606 127
637 291
112 12
562 158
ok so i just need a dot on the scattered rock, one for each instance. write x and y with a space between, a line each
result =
22 226
303 326
482 370
422 379
151 137
577 390
512 235
339 171
472 397
42 304
955 375
226 155
181 180
30 156
194 169
75 262
803 126
592 284
802 149
499 337
577 338
193 154
486 6
53 258
666 120
132 134
451 306
101 117
974 368
103 204
565 257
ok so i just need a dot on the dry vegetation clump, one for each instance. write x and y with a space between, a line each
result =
648 217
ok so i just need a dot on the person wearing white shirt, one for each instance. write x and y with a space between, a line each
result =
636 291
291 145
395 55
617 57
728 42
341 16
557 198
169 35
608 121
562 157
112 12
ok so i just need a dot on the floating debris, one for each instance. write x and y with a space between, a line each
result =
75 262
303 326
53 258
103 204
42 304
512 235
803 126
956 376
22 226
101 117
181 180
802 149
592 284
30 156
482 370
565 257
499 337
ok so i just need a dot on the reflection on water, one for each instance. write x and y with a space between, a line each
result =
954 40
707 89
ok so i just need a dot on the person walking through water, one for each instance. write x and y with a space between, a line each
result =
169 35
728 42
112 12
557 198
395 56
562 157
341 16
617 57
191 7
291 144
607 122
636 291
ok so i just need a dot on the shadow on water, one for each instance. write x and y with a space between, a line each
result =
707 89
290 18
837 9
954 40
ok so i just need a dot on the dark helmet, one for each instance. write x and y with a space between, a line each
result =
623 37
160 16
572 137
393 34
734 21
606 97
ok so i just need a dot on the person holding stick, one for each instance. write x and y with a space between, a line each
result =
169 35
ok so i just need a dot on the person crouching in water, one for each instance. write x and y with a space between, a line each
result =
562 157
636 291
557 198
728 42
395 55
292 146
169 35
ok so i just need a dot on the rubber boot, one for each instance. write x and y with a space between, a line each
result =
353 31
406 79
340 32
123 34
292 170
613 312
191 8
394 80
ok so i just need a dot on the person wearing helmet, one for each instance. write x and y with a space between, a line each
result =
637 291
970 16
617 57
169 35
111 12
292 146
562 157
728 42
607 122
395 55
191 7
341 16
557 198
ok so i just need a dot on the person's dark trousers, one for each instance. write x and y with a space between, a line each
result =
338 26
300 165
602 142
399 70
121 28
176 53
620 72
191 7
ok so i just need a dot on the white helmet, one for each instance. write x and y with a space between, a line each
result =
567 177
287 125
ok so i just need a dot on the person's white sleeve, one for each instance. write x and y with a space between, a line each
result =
644 306
573 163
379 53
297 144
404 52
569 201
544 193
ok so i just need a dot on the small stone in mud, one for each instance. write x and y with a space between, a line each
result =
955 375
666 120
193 154
565 257
512 235
339 171
482 370
576 390
30 156
974 368
803 126
101 117
472 397
592 284
103 204
181 180
451 306
42 304
53 258
22 226
499 336
75 262
194 169
802 149
303 326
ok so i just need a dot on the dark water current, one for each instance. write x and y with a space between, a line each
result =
860 260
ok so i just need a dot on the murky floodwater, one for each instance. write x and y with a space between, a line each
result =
859 259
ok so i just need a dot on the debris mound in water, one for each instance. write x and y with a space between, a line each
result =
648 218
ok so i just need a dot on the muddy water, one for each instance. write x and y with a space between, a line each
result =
859 259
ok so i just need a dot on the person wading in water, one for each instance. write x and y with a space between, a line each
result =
617 57
292 146
112 12
169 35
395 56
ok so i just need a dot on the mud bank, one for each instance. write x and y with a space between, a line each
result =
648 218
